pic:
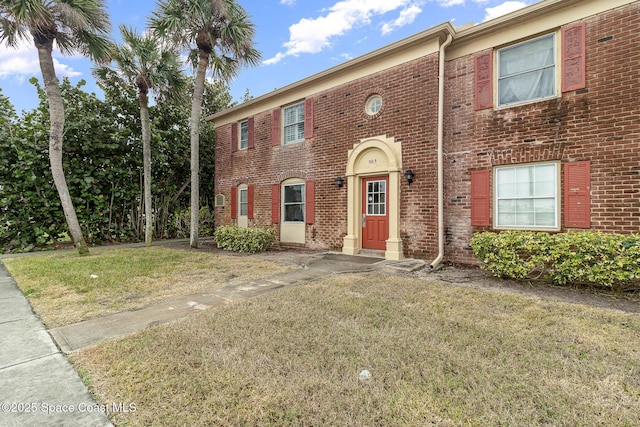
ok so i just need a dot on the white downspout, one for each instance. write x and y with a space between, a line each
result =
441 60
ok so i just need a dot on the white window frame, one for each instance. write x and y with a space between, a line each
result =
373 106
243 200
243 205
503 196
555 70
243 142
285 203
295 124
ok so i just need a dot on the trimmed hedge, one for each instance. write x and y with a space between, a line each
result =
244 239
592 258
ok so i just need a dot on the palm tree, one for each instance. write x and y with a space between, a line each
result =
219 36
145 62
75 26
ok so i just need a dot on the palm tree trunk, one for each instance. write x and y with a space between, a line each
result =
196 111
146 161
56 132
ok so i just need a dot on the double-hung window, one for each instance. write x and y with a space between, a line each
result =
244 135
243 201
294 203
527 71
527 196
294 123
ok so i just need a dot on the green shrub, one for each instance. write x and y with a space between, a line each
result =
180 223
244 239
608 260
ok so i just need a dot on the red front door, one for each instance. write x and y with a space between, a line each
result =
375 216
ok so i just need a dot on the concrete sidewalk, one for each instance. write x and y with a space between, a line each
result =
38 386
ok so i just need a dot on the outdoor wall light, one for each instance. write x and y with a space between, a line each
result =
339 181
409 176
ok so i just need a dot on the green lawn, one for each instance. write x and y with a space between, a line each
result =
438 355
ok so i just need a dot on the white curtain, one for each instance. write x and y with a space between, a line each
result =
527 71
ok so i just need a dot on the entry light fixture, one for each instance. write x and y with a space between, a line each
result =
339 181
409 176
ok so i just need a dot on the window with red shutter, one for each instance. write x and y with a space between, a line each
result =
480 197
234 202
234 137
250 202
310 207
308 118
573 57
484 80
275 126
577 195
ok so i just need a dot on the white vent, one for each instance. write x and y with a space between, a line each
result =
219 201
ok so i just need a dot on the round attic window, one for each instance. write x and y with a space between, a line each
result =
373 105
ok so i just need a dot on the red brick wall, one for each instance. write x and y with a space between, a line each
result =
600 124
409 94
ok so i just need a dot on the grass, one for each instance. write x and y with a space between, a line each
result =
64 288
438 355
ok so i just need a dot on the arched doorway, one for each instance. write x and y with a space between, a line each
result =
374 170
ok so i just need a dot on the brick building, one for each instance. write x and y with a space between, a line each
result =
529 121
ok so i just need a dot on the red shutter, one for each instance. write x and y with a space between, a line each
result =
275 203
308 118
310 206
250 133
573 57
275 126
480 197
234 202
250 202
484 80
577 195
234 137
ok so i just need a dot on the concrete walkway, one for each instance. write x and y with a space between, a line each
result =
79 335
38 386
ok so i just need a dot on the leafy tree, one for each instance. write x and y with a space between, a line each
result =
145 63
219 36
76 26
103 164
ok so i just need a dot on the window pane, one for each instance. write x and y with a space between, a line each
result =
293 193
523 87
244 135
294 203
527 71
530 200
506 213
294 123
538 53
545 219
293 213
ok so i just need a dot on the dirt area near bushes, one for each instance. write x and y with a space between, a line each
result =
466 277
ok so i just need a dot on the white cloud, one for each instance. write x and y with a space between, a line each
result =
288 2
503 9
449 3
407 16
22 61
312 35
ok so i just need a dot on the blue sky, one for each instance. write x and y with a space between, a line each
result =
297 38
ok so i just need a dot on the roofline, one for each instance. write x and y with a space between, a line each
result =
441 30
461 36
